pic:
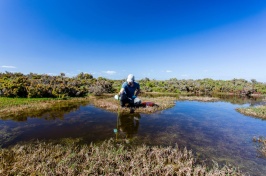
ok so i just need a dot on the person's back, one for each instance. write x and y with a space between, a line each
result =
130 90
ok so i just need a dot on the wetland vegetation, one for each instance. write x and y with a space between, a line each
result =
24 97
261 141
257 111
21 108
40 86
107 158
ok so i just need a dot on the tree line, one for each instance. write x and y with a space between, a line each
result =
42 85
204 86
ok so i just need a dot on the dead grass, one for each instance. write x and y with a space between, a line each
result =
258 111
23 106
196 98
113 105
107 158
106 102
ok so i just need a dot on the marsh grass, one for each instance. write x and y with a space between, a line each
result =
23 107
258 111
113 105
11 102
107 158
261 145
199 98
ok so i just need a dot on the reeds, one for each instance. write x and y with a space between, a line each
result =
262 145
107 158
258 111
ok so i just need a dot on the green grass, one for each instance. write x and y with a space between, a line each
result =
11 102
258 111
23 107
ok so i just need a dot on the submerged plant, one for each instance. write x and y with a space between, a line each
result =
261 145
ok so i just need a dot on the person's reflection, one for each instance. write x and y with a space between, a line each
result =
128 124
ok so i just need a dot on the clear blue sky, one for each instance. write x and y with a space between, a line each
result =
188 39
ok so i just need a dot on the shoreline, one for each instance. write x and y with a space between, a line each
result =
37 107
106 102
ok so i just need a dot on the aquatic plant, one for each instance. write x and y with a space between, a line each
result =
107 158
262 145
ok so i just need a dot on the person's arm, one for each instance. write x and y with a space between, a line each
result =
137 92
121 91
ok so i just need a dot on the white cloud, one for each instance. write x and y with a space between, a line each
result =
168 71
5 66
109 72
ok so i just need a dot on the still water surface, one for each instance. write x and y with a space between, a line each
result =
213 130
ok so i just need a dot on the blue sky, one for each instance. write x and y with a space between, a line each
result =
189 39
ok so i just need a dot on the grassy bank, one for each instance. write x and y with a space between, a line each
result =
16 102
258 111
107 158
199 98
113 105
20 107
23 107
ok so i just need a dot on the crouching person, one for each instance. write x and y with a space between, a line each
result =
129 92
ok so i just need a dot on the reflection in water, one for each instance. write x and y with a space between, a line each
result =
240 100
55 112
214 131
127 126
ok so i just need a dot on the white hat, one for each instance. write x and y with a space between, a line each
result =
130 78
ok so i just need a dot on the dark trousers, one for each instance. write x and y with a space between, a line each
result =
125 99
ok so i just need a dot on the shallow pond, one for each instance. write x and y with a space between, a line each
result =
213 130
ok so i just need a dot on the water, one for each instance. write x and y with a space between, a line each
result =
214 131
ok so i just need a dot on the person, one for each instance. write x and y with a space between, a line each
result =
129 92
128 125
